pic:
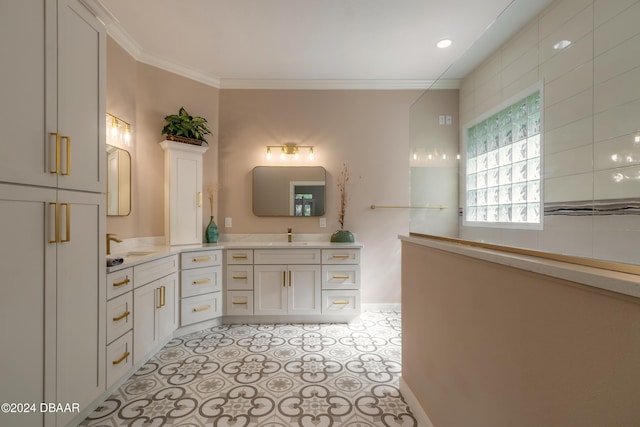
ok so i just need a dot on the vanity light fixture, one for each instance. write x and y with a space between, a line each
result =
118 131
290 149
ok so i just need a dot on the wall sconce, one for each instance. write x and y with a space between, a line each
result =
289 149
118 131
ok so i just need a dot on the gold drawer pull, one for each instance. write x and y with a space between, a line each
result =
206 307
340 302
201 282
124 356
124 282
341 256
202 258
68 139
239 303
122 316
244 256
336 276
239 277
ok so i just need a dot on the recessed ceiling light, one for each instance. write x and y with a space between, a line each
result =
444 43
562 44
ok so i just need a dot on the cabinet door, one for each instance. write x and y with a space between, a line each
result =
81 300
24 152
27 263
304 289
167 313
145 300
81 95
270 289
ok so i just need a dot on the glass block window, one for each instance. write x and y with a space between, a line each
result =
503 167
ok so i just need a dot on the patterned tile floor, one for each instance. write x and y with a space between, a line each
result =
308 375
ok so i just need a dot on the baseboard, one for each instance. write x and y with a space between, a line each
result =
418 412
381 307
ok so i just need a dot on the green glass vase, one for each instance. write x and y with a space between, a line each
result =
211 233
342 236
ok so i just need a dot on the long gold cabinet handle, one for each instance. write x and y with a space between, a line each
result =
290 279
340 302
58 167
199 199
56 222
204 308
341 256
239 277
68 169
122 316
239 256
124 356
336 276
239 303
201 282
164 295
284 279
202 259
122 283
56 170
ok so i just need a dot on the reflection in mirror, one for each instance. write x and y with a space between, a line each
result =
289 190
118 181
590 154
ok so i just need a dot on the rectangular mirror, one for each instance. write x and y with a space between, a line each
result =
289 190
118 181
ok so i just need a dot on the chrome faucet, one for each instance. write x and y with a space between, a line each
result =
289 236
111 237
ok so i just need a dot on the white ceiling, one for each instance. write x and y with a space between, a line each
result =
313 43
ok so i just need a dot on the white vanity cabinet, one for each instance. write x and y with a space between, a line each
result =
200 286
287 281
341 281
119 320
239 282
182 193
154 305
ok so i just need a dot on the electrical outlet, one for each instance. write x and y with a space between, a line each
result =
228 222
441 120
323 222
449 120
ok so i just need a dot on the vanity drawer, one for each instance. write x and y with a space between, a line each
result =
341 276
341 256
119 358
239 256
119 282
239 277
200 281
119 316
287 256
197 259
239 303
341 302
199 308
153 270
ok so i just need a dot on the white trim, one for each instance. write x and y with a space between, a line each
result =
418 412
339 84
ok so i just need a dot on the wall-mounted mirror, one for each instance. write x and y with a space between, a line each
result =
118 181
289 190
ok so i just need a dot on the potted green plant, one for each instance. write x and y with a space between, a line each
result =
183 127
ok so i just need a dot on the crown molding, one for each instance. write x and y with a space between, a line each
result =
355 84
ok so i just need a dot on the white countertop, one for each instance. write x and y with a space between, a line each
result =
623 283
144 254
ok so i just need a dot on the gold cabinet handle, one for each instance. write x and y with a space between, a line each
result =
163 293
336 276
201 282
68 222
57 168
341 256
340 302
239 303
158 296
56 222
243 256
124 356
290 281
284 279
239 277
68 170
124 282
202 259
204 308
122 316
199 199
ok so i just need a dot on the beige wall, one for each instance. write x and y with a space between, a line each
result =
143 95
490 345
368 130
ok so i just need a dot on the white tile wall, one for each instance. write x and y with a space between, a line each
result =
592 114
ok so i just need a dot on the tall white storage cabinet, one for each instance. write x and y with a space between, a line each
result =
182 192
52 166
